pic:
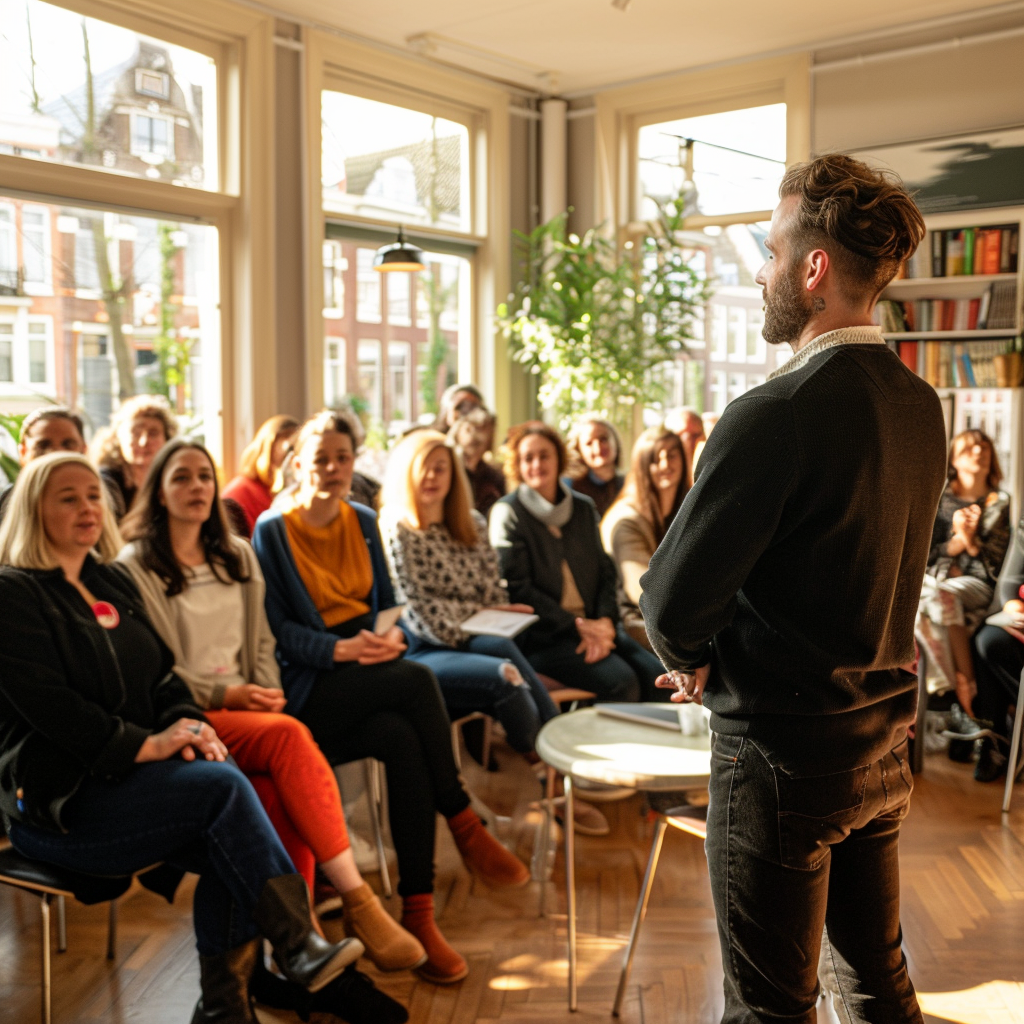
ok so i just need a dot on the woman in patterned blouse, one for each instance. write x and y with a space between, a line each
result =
446 571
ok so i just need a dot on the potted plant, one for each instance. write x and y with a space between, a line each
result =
598 323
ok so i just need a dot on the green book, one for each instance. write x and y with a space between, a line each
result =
968 251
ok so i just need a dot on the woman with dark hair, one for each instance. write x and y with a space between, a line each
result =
204 593
594 451
550 554
259 472
471 436
634 526
125 449
111 767
457 400
969 541
327 581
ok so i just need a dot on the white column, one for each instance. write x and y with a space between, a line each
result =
553 176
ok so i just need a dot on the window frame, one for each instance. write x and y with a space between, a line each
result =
240 41
341 65
44 286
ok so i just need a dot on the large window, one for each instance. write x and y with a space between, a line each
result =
394 164
126 318
83 91
723 165
402 363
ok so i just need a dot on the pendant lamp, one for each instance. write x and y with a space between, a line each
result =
400 255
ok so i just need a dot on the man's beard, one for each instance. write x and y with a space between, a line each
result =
786 309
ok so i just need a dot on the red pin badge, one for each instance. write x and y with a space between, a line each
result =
106 614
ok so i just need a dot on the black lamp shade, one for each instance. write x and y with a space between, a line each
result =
400 255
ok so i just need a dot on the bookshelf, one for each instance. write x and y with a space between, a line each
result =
961 360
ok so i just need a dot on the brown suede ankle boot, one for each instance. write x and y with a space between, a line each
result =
387 943
443 965
483 854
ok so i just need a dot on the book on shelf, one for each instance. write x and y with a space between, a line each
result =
954 364
967 251
995 310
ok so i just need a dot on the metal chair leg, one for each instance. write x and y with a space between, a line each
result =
641 911
570 886
375 800
112 931
62 926
44 906
542 841
1011 764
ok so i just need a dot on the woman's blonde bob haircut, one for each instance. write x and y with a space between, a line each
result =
23 541
405 473
255 461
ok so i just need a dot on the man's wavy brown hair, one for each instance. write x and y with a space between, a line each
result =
865 219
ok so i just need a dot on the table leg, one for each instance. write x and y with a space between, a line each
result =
570 886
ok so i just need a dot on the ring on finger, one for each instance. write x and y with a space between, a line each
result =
196 730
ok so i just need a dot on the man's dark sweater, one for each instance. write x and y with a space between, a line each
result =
795 563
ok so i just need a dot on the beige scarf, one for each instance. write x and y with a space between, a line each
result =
833 339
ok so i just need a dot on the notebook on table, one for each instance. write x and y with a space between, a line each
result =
663 716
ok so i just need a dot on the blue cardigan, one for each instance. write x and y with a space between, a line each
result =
304 644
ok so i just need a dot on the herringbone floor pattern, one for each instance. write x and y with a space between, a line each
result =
963 915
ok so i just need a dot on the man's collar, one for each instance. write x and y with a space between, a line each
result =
832 339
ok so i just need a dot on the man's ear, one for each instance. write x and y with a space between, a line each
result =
816 264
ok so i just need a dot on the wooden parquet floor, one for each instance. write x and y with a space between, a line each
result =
963 917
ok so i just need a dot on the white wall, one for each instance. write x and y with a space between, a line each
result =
932 94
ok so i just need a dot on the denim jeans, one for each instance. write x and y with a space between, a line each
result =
791 854
200 816
471 680
627 674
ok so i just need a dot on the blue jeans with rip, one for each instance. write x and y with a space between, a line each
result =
471 679
795 853
200 816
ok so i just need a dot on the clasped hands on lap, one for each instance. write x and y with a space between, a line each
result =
187 737
597 639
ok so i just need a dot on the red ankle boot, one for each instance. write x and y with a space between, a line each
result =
483 854
443 965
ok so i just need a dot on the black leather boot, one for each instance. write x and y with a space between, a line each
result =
354 998
283 915
224 980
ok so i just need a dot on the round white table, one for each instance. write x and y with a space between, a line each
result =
596 748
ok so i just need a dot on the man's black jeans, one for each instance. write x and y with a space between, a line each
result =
790 855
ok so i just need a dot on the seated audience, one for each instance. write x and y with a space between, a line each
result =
550 554
110 766
125 449
686 422
447 571
471 435
635 525
203 592
969 541
594 448
52 428
327 580
999 660
259 473
457 401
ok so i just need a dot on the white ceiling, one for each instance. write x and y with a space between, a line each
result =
589 43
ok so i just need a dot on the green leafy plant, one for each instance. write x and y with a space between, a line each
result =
10 424
597 323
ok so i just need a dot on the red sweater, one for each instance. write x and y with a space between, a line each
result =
253 497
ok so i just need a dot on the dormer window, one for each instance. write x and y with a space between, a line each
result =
153 83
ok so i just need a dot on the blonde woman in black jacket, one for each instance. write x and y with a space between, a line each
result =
106 763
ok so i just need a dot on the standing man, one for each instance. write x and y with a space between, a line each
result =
784 597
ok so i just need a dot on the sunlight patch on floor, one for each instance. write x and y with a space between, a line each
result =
994 1002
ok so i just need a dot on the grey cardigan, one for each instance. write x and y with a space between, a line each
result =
256 658
530 557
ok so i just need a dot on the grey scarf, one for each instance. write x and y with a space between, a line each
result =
540 508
